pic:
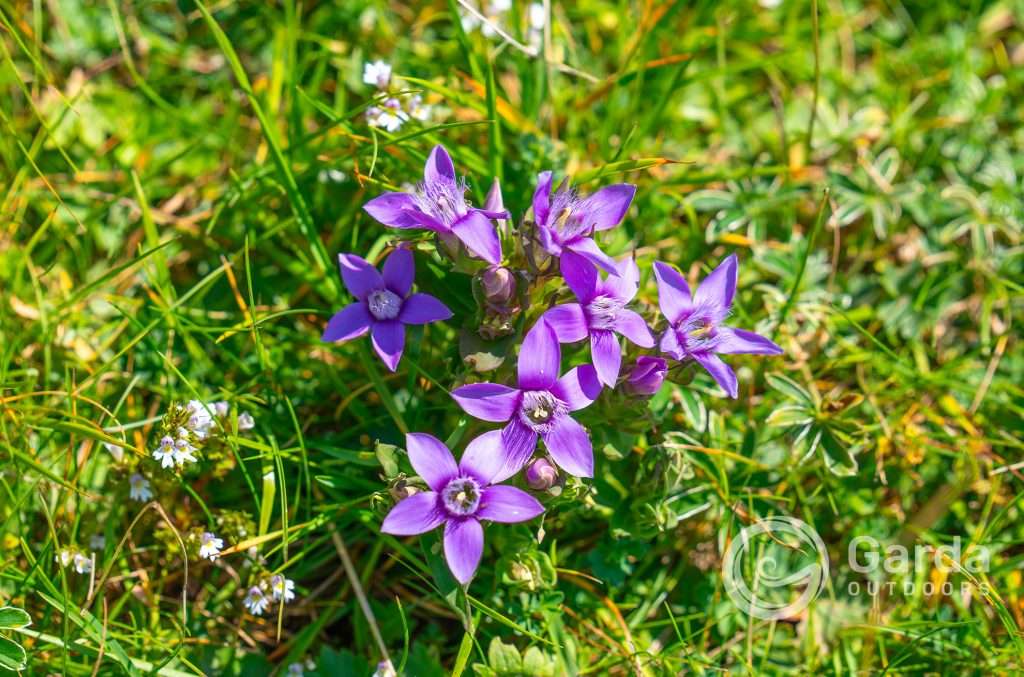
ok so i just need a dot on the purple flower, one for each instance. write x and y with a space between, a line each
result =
439 204
459 497
696 331
647 375
540 406
384 305
566 222
600 314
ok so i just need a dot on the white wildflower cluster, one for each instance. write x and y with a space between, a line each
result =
277 588
210 546
185 428
395 111
75 558
495 13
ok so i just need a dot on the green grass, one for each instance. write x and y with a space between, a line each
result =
168 232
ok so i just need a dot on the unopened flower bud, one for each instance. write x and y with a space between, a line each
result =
541 475
647 375
498 284
494 202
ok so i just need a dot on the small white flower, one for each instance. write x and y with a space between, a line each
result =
115 451
246 421
418 110
83 564
165 452
282 588
256 602
64 557
499 7
139 488
538 17
296 669
220 408
97 542
199 419
329 176
377 73
210 546
183 452
387 121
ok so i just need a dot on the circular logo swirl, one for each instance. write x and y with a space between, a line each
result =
785 562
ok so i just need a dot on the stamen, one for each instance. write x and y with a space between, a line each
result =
384 304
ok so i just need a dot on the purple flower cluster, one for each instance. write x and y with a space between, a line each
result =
541 404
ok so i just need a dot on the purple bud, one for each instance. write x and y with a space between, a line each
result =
647 375
541 475
494 202
499 285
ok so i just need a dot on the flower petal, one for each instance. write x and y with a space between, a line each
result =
568 322
580 274
670 344
520 442
606 208
439 166
720 371
732 341
359 276
570 447
348 323
719 287
503 503
394 209
389 341
417 514
578 387
634 327
431 459
673 293
542 198
606 354
427 221
487 401
463 546
540 358
478 234
399 271
423 309
588 249
625 286
485 457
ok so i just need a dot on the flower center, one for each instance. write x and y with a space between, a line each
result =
697 334
384 304
565 217
539 409
461 496
603 311
444 200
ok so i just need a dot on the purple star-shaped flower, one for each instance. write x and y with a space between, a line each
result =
696 331
384 305
566 222
439 204
600 314
460 496
540 406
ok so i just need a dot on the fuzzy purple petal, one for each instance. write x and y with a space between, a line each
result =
519 441
588 249
548 239
348 323
606 208
542 198
540 358
568 322
394 209
634 327
423 309
431 459
485 458
359 276
463 546
417 514
624 286
732 341
673 293
389 340
578 387
720 371
487 401
507 504
398 271
719 287
606 353
570 447
670 344
479 235
439 166
429 222
580 274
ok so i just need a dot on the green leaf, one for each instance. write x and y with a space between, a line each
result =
12 655
13 617
504 658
